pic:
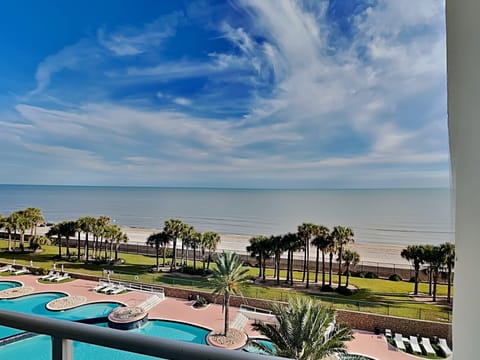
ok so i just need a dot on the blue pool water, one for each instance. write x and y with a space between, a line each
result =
35 304
250 347
354 357
41 345
8 284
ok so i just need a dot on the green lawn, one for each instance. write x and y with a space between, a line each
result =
374 295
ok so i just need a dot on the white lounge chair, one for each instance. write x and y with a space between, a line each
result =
100 286
44 277
388 333
52 276
117 290
108 288
23 270
427 346
414 344
65 276
442 343
399 342
6 268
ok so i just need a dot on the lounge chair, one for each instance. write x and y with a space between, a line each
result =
442 343
52 276
108 288
117 290
23 270
388 333
44 277
61 277
414 344
427 346
6 268
100 286
399 342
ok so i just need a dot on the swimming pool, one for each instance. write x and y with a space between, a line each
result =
354 357
251 346
35 304
9 284
41 345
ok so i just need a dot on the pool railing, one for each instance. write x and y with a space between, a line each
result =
63 333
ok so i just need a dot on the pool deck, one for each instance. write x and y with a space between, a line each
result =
211 317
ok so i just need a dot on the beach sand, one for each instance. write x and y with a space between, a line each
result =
238 243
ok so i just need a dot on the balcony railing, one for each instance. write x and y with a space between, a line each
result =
63 333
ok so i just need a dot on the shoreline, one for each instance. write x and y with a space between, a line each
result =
385 254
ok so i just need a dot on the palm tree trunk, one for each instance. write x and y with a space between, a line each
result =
264 267
291 269
449 285
307 246
339 267
430 274
59 240
278 269
227 312
194 258
347 265
435 280
287 278
158 254
304 264
323 268
78 246
86 247
164 254
417 270
9 241
260 264
316 264
208 260
68 245
174 255
330 269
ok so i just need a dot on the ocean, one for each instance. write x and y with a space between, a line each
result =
396 217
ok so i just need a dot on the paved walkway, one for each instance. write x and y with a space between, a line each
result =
211 317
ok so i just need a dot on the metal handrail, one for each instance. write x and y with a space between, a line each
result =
63 332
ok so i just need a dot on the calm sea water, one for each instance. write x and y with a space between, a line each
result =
391 217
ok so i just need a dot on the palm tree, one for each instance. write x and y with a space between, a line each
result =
291 244
86 224
10 226
22 224
305 232
277 247
437 260
415 254
429 258
228 278
36 218
56 230
174 229
351 258
449 251
188 233
301 331
159 239
67 229
210 241
260 248
320 242
343 236
195 241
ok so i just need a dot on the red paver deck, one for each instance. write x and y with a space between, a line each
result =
211 317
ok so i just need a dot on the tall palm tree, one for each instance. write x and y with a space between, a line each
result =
228 278
174 228
195 241
36 218
350 258
449 252
415 254
277 247
188 233
10 226
23 223
320 241
254 250
67 228
86 224
301 331
306 232
437 260
343 236
429 258
210 241
157 240
56 230
291 244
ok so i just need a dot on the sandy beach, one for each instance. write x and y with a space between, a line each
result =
238 243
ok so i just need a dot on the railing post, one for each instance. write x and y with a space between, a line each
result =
61 349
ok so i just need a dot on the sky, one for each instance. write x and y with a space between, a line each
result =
239 93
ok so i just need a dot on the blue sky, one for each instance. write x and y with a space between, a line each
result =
240 93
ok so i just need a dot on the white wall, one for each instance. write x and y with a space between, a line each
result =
463 74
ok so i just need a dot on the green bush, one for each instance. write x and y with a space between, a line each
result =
371 275
394 277
343 290
359 274
327 288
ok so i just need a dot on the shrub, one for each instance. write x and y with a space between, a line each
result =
326 288
343 290
412 279
371 275
359 274
394 277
